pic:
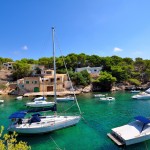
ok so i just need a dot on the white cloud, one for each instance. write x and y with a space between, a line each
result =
24 47
116 49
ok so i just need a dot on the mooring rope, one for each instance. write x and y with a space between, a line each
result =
57 146
146 145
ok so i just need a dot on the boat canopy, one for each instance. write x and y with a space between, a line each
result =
148 91
21 114
142 119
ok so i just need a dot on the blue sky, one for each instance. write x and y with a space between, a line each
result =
100 27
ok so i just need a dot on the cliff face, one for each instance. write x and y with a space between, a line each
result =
5 75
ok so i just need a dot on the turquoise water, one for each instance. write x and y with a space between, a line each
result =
91 132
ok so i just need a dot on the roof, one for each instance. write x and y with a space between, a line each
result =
142 119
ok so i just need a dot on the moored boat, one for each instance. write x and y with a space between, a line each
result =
1 101
40 103
107 98
37 123
134 132
19 97
39 98
142 95
135 91
99 95
67 98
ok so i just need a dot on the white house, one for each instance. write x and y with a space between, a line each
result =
90 70
8 65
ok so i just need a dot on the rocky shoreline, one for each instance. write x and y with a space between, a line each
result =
77 90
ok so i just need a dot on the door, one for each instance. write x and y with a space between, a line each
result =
36 89
49 88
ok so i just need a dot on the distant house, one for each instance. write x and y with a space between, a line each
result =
32 84
90 70
47 72
34 67
8 65
45 83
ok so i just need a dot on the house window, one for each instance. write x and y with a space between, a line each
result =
52 80
58 79
27 82
49 72
35 82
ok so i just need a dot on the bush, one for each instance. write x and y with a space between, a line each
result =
134 82
9 142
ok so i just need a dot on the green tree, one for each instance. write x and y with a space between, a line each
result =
21 70
119 73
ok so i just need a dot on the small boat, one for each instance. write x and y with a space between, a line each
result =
67 98
142 95
135 91
19 97
1 101
99 95
40 103
107 98
134 132
39 98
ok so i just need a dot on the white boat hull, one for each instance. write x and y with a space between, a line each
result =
51 123
107 99
19 97
1 101
65 98
39 104
99 95
146 96
40 98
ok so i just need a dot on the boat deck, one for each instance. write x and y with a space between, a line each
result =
115 139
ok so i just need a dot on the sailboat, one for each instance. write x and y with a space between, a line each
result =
42 124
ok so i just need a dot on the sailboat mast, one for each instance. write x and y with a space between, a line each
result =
53 43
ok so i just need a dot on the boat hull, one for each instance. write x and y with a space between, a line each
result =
131 141
55 123
39 104
141 97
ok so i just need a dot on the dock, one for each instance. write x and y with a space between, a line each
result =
64 93
115 139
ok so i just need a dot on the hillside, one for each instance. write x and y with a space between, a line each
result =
5 76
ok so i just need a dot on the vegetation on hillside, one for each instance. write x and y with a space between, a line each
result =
118 69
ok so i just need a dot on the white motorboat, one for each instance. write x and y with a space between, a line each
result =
142 95
1 101
99 95
40 103
40 98
42 124
19 97
135 91
107 98
67 98
134 132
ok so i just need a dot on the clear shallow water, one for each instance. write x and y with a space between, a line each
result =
91 132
